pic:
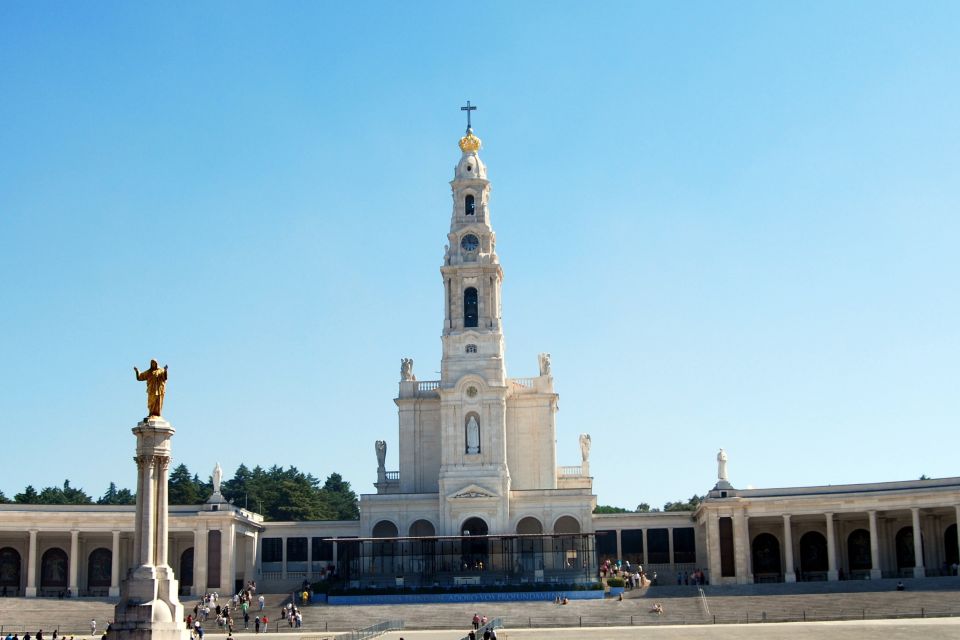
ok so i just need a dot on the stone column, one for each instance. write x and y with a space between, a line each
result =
643 541
146 509
115 566
31 590
918 570
832 573
619 545
200 559
74 551
670 545
875 571
227 559
310 558
713 547
741 546
789 575
254 542
149 607
283 566
163 517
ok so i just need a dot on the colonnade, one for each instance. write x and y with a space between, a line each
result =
738 565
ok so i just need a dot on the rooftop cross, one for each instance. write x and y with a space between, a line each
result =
468 109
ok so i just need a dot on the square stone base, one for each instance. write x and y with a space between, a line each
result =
149 608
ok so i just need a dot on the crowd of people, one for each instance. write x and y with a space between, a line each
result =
245 604
635 577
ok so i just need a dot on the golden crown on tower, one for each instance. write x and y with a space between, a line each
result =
470 143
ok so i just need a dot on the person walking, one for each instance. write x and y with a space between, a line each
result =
93 626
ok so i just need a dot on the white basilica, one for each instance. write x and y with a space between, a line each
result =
479 498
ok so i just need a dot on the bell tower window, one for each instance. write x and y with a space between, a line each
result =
469 205
470 313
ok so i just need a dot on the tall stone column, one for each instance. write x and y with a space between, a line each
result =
670 545
200 539
115 566
149 608
74 551
918 569
713 547
643 541
875 571
227 559
832 573
741 546
789 575
620 546
31 590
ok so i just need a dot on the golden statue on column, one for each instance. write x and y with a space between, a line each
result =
156 379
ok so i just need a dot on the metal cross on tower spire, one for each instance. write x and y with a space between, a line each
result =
468 109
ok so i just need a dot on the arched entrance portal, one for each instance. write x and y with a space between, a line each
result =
766 558
813 556
186 568
906 558
531 544
53 569
99 567
949 541
858 550
9 571
475 550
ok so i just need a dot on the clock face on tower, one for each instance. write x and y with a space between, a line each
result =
469 242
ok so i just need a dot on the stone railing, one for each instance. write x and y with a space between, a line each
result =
570 472
428 385
526 383
393 475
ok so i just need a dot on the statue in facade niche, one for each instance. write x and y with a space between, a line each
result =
156 379
217 477
722 465
473 435
544 359
585 446
381 447
406 370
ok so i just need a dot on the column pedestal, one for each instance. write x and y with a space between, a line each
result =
149 608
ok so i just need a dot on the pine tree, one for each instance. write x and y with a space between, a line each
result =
180 487
28 496
3 498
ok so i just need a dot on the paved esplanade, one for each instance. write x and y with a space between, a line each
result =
929 629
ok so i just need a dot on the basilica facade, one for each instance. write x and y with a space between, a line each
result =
480 498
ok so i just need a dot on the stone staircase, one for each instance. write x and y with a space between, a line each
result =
682 605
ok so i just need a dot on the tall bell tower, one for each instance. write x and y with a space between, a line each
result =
474 478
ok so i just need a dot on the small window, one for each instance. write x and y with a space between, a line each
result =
471 348
469 205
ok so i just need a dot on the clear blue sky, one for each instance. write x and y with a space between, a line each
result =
732 224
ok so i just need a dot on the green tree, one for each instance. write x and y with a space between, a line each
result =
643 507
181 488
3 498
28 496
117 496
341 497
605 508
689 505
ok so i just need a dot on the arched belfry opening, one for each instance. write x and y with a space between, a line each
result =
469 205
471 313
